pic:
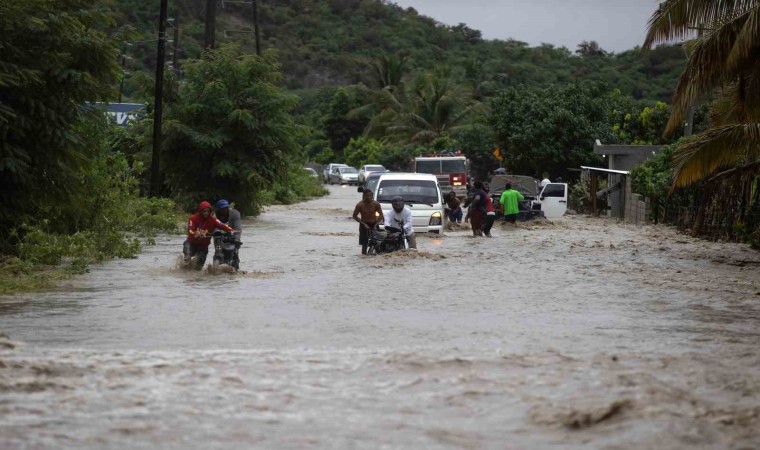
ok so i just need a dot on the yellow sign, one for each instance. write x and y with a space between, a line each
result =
497 154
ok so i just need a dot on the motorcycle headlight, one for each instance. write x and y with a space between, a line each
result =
435 219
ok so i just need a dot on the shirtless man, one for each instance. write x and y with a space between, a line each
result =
371 215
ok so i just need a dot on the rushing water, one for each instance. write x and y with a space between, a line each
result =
573 334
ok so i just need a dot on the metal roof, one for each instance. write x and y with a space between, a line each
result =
599 169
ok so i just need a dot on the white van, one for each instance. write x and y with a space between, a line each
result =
421 194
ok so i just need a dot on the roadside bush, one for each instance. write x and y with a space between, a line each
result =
299 186
102 219
579 197
19 275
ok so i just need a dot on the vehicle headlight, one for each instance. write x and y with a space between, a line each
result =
435 219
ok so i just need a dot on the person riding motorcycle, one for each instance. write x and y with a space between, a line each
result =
199 229
229 216
403 215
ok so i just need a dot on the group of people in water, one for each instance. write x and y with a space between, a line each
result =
481 212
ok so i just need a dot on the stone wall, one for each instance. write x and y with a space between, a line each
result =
636 206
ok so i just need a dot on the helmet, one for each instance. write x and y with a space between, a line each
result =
221 204
398 203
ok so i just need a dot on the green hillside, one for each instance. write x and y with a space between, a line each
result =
327 42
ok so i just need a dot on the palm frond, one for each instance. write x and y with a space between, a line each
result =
706 69
676 19
727 108
738 101
715 149
747 41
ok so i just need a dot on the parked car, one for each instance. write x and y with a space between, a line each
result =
344 175
311 172
369 168
421 194
328 170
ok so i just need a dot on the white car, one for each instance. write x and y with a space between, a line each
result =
328 170
369 168
421 194
311 172
344 175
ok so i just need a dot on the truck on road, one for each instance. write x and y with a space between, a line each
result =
451 172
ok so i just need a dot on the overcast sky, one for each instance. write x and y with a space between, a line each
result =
617 25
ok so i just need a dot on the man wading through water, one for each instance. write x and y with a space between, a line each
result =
371 214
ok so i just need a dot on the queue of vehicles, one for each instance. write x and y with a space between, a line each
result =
443 174
336 173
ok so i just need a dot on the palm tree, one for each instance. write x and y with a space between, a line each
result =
592 48
434 104
725 63
387 72
420 110
383 84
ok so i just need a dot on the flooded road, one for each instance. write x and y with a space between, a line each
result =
576 333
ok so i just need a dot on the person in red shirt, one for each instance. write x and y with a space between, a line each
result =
199 229
490 213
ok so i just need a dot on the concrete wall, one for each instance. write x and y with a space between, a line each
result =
636 206
627 162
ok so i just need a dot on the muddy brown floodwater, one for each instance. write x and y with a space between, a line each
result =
578 333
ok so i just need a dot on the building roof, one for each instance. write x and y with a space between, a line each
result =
599 169
616 149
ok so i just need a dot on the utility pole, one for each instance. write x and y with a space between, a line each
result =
210 30
155 176
123 74
256 27
175 58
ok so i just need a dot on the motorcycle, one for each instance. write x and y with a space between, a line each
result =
188 261
194 262
226 246
390 240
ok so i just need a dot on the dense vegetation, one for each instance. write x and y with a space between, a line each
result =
66 194
71 180
327 42
397 83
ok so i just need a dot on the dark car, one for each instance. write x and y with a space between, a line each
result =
525 185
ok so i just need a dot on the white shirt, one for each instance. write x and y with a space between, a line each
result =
544 182
405 217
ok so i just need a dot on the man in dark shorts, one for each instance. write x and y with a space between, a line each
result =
454 210
509 200
371 214
477 204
